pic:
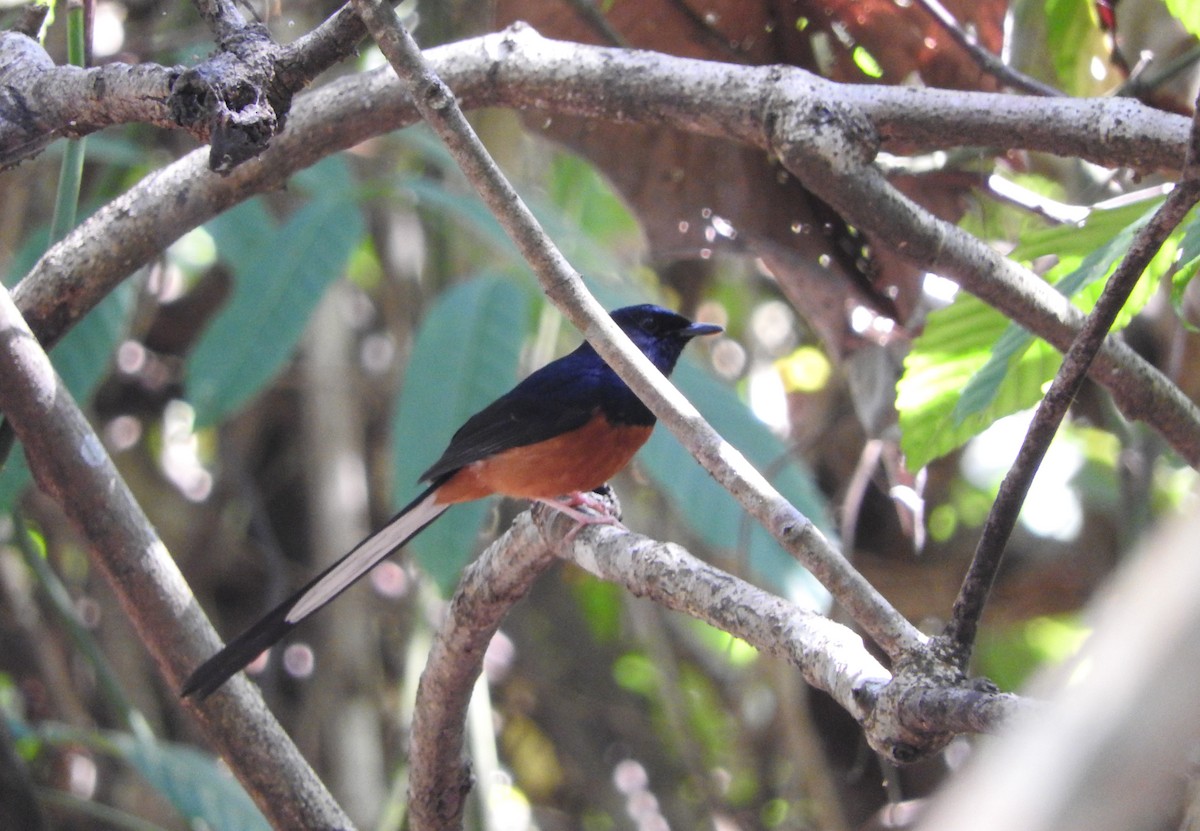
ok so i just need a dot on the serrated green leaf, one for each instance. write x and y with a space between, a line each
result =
980 391
1080 240
710 510
278 283
465 355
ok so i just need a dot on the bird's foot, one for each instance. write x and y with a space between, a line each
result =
598 511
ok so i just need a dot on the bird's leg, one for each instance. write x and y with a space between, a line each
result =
599 512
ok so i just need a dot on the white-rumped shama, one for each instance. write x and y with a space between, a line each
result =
562 432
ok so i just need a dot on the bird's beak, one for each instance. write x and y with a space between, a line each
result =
698 329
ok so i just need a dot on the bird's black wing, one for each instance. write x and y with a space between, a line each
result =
560 397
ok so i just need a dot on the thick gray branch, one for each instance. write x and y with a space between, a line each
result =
237 99
518 68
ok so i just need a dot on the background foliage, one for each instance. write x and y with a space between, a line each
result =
206 374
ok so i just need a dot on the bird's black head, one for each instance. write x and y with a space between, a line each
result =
660 333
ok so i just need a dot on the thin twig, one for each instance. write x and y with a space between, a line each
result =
959 636
1159 73
986 61
328 44
222 17
595 18
563 285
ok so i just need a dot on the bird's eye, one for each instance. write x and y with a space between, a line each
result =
651 325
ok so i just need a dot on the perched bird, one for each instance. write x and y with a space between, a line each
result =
559 434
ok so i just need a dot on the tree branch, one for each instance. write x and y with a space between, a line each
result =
439 779
959 637
830 147
237 99
519 68
222 16
984 59
71 465
828 655
1111 748
128 232
642 87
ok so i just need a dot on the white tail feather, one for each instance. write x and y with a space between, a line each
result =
363 558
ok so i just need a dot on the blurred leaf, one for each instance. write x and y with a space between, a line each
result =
82 358
465 356
1011 654
1072 37
241 235
14 479
601 604
279 279
588 220
463 208
971 366
709 509
194 783
1186 12
956 344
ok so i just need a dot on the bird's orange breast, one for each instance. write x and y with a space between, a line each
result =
580 460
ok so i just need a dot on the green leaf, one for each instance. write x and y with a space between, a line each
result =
710 510
241 234
1189 262
971 366
1186 12
84 356
1113 234
462 208
465 355
279 279
957 343
1073 38
193 782
1080 240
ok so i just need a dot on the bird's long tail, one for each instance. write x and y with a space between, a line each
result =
323 588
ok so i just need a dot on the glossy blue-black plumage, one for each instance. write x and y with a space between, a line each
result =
564 395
